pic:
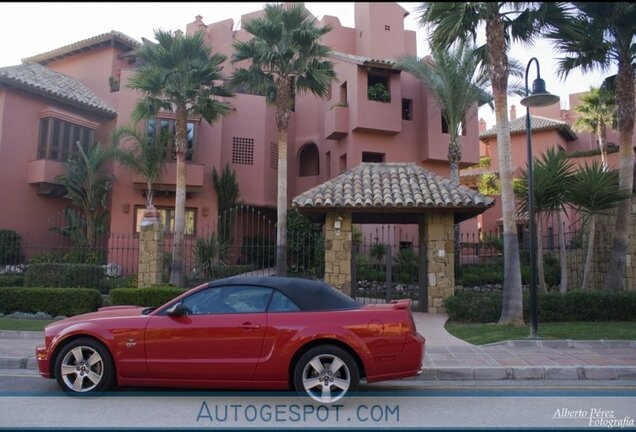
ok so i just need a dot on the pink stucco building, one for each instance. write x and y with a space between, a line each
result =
551 128
79 92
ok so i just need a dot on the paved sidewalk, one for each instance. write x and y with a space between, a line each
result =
449 358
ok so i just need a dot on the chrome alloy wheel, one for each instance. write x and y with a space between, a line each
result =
82 369
326 378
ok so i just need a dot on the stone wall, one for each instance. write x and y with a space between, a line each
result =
338 251
437 232
150 267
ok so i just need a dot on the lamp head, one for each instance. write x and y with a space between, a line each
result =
539 96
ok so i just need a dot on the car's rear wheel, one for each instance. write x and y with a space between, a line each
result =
84 366
326 373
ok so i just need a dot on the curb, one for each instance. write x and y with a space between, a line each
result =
21 334
527 373
564 343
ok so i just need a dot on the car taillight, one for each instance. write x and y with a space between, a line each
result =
412 321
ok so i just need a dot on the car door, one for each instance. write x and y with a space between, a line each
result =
219 338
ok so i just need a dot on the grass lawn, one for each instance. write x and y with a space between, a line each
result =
479 334
23 324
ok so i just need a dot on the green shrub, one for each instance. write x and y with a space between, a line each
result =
151 296
54 301
64 275
474 307
551 307
76 256
491 274
47 257
11 280
9 247
121 282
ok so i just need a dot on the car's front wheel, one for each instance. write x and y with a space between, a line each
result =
326 373
84 366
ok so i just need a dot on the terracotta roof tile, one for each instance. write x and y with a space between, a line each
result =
391 185
363 61
537 123
84 44
41 80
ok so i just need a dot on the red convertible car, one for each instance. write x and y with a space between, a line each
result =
237 333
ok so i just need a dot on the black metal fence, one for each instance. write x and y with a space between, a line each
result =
386 266
243 241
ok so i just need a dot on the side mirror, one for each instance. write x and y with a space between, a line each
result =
176 309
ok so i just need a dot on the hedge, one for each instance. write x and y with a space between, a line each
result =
54 301
64 275
551 307
11 280
150 296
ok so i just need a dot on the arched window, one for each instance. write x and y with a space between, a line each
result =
308 161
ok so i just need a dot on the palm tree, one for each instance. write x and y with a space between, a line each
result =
179 74
457 82
595 36
596 111
87 186
286 58
504 22
550 173
593 191
147 158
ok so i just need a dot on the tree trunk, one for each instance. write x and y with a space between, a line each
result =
602 144
563 288
454 157
625 94
512 305
178 246
281 224
590 251
540 268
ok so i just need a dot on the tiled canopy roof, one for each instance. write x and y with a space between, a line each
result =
41 80
537 123
84 45
363 61
390 185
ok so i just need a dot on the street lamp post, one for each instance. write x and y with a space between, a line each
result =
538 98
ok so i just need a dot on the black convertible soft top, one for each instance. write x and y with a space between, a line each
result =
308 295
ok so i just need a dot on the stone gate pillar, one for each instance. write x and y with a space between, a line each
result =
150 264
338 250
439 229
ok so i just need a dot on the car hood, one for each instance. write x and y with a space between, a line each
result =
104 312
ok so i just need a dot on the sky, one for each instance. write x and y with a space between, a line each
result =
27 29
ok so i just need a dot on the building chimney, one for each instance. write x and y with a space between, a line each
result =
513 112
482 125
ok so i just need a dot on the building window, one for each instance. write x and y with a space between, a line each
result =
155 126
343 163
343 94
167 219
58 139
308 161
372 157
387 27
273 155
242 151
328 164
378 87
444 124
407 109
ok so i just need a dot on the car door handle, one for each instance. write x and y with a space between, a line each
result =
250 326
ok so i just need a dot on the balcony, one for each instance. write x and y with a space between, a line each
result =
168 181
42 173
379 117
337 122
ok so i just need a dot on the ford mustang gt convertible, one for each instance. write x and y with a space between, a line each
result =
253 333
